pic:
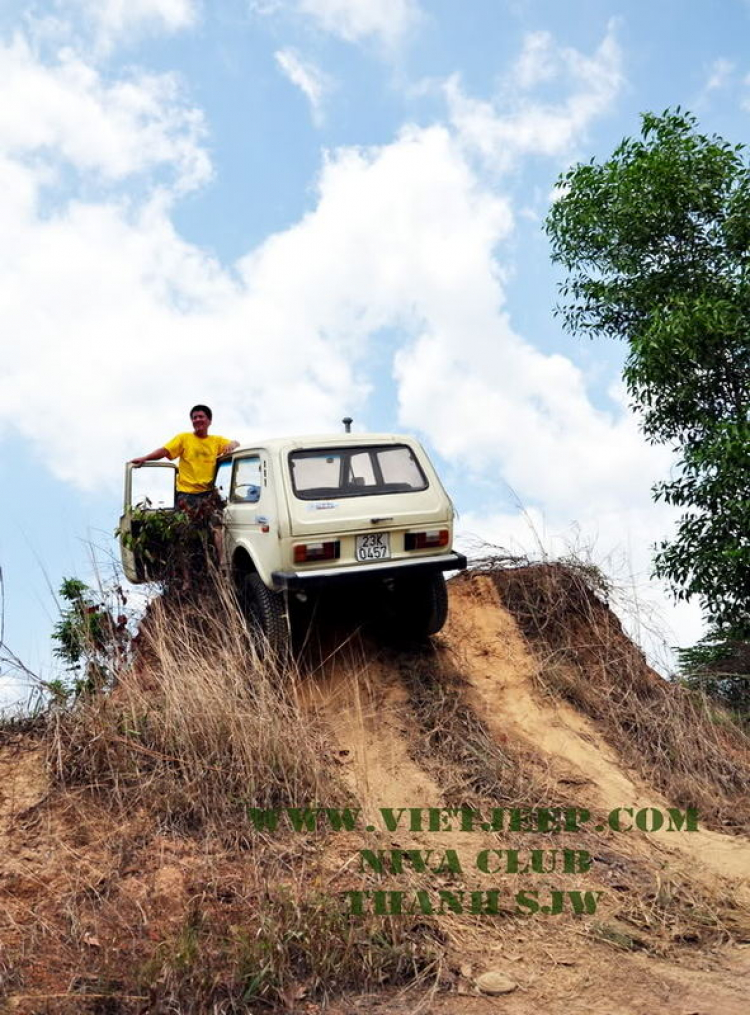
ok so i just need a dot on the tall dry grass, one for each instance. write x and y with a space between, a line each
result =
199 726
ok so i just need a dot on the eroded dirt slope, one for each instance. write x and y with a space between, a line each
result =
462 725
656 887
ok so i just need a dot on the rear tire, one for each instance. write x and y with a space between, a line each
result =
417 606
266 615
435 604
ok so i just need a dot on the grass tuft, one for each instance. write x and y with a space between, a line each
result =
288 947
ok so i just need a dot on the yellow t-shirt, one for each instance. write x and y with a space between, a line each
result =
197 460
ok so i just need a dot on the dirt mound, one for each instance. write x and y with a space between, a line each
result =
524 797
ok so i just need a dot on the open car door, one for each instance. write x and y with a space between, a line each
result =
148 487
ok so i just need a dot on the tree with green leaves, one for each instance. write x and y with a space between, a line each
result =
655 243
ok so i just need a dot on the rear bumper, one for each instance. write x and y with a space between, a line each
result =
362 572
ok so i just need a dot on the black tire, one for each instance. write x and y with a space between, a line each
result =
417 606
266 615
435 603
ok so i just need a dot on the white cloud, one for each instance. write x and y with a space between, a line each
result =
517 124
117 19
387 21
403 236
265 8
719 74
356 19
93 285
570 454
537 61
114 324
68 113
312 82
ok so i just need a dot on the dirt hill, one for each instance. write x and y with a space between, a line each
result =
525 798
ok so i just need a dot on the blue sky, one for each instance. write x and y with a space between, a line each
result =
296 210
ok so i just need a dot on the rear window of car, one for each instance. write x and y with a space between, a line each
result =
327 473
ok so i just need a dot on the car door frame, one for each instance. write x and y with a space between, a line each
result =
132 566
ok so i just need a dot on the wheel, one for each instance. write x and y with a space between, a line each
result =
434 603
417 606
266 615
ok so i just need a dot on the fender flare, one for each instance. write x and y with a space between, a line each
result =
244 561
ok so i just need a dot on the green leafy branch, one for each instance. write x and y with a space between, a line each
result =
92 638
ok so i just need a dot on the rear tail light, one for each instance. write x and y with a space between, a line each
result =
426 540
306 552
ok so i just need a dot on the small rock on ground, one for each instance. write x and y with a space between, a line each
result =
494 982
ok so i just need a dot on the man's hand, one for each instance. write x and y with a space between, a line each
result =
227 450
153 457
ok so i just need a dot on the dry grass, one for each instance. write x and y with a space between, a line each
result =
662 908
154 778
158 774
669 733
270 933
673 910
284 946
455 746
197 729
654 909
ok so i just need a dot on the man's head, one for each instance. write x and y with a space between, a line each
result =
200 417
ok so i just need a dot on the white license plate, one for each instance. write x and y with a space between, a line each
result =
373 546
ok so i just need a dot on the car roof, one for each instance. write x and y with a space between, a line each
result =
341 440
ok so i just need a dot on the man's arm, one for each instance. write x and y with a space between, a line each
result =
153 457
227 449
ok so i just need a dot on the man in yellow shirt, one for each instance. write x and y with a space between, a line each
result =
198 452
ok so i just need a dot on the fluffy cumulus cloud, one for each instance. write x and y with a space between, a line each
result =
312 82
570 454
113 321
403 236
519 122
66 114
96 285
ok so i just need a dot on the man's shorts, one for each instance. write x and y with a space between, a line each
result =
204 508
191 501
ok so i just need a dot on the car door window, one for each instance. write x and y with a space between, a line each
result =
152 487
248 480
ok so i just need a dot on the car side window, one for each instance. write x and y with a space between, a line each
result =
248 480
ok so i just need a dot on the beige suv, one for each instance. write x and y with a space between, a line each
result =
303 513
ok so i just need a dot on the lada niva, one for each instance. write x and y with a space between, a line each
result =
304 513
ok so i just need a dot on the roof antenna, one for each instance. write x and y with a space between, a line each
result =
347 421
